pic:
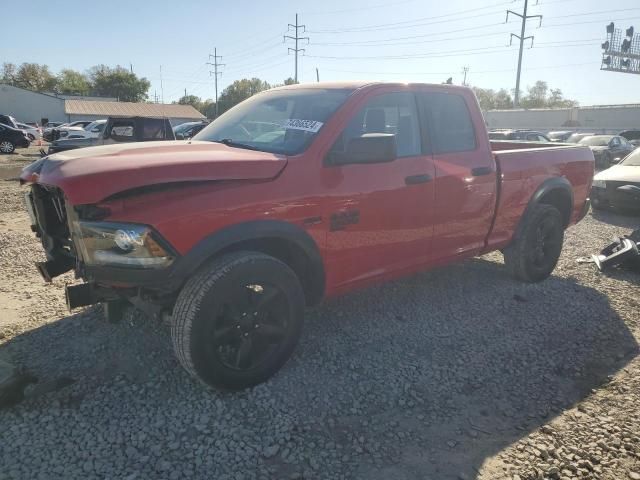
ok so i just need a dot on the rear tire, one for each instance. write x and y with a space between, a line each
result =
536 249
238 320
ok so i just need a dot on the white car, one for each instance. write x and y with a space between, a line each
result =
32 132
69 128
92 130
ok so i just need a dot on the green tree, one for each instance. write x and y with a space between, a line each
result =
289 81
238 91
193 100
9 73
34 76
541 96
118 82
491 100
71 82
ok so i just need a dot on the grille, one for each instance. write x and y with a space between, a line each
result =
52 226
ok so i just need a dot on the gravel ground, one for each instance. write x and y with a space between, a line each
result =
458 373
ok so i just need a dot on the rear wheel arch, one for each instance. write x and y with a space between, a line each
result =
557 192
279 239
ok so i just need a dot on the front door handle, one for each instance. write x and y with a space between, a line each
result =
479 171
415 179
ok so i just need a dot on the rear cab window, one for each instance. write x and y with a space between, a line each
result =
449 125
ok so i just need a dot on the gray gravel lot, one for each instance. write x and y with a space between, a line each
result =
458 373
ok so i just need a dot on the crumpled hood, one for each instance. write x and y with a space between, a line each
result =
620 173
89 175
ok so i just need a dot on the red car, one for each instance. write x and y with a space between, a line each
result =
297 194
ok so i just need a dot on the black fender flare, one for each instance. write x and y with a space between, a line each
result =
546 187
228 237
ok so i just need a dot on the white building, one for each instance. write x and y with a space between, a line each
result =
597 119
28 106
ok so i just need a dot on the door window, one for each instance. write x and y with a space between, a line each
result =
450 125
391 113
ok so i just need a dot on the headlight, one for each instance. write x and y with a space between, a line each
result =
599 184
121 244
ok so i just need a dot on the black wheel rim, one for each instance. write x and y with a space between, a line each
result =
250 326
547 242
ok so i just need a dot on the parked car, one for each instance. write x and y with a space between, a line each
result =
63 130
618 186
92 130
12 138
32 132
53 124
188 129
607 149
576 137
559 136
118 130
230 235
633 136
8 120
519 135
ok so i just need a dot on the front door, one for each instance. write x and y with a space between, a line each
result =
381 216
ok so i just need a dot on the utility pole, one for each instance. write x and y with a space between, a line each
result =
161 86
522 38
296 38
317 75
464 71
215 74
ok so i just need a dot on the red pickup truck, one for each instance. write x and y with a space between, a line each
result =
297 194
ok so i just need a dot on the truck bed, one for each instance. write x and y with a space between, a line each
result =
522 167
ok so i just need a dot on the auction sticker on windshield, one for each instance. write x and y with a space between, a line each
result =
306 125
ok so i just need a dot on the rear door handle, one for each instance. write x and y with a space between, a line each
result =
479 171
415 179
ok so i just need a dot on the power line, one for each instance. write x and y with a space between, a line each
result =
296 38
215 74
403 24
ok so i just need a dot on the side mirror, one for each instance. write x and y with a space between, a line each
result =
95 129
180 136
369 148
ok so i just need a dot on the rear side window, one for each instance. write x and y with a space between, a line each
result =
153 129
450 128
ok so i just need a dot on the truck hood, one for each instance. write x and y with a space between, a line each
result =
89 175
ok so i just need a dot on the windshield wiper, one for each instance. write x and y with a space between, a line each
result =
232 143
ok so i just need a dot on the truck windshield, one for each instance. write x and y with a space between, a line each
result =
279 121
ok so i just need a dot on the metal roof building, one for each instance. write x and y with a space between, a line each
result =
28 106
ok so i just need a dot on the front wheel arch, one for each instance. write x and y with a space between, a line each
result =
282 240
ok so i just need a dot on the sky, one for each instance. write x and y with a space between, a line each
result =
398 40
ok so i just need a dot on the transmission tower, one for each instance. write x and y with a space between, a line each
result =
215 74
296 38
522 38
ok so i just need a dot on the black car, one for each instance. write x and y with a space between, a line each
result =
519 135
188 129
12 138
607 149
633 136
8 120
618 186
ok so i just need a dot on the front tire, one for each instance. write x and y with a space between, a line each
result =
536 249
238 320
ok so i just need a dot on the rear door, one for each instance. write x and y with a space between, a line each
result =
465 182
